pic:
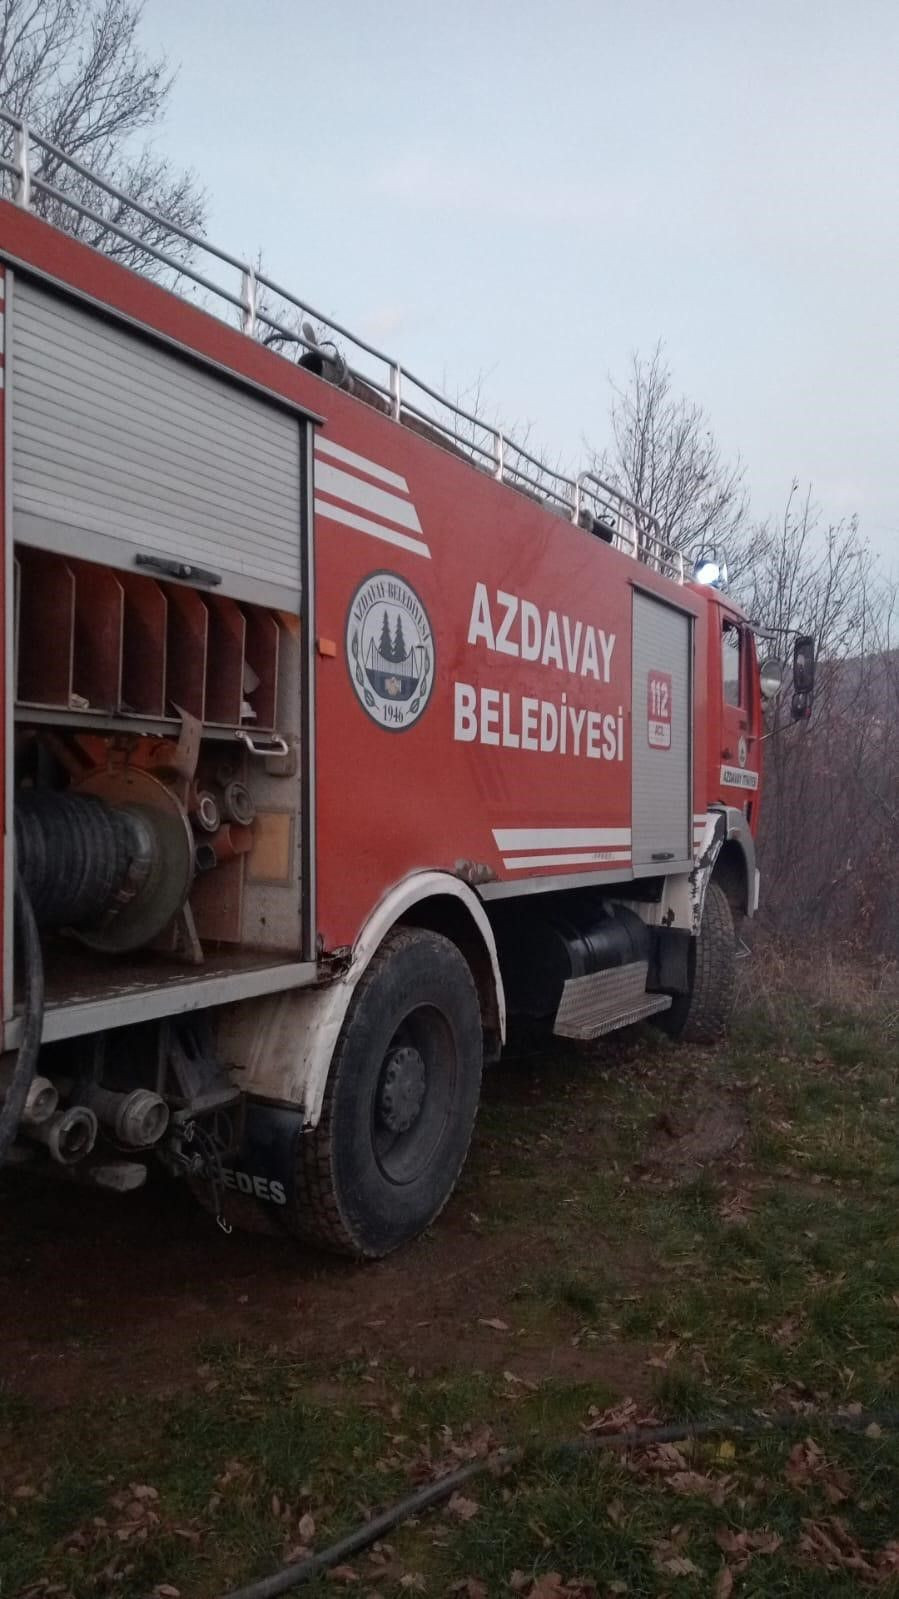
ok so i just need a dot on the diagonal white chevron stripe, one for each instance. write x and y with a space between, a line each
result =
343 486
375 530
512 838
337 452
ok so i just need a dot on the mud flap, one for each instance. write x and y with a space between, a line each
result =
260 1181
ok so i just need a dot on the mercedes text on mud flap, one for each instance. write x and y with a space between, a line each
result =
333 744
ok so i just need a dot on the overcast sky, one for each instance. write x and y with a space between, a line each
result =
530 190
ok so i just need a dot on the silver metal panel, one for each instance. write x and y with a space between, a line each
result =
552 882
9 661
145 1002
661 819
115 437
308 695
601 1001
650 1005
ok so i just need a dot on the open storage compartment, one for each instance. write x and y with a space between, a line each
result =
91 639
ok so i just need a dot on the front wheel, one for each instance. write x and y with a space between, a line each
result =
701 1016
401 1100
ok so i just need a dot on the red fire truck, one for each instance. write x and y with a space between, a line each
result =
337 731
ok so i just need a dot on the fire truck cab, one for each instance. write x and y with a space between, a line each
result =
339 734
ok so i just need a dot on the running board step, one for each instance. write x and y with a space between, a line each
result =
597 1004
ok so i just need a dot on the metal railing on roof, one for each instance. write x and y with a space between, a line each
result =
36 172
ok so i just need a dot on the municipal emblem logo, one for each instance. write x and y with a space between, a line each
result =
390 650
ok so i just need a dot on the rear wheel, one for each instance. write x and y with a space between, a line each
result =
400 1103
702 1015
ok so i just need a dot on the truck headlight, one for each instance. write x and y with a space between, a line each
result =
771 673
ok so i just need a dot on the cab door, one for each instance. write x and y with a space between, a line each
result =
738 775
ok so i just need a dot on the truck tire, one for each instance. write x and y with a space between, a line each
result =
400 1103
702 1015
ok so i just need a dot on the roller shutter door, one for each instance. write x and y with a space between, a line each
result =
662 723
121 445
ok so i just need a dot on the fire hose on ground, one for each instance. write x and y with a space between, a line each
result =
749 1425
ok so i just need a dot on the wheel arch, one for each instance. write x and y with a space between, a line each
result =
732 874
289 1039
724 853
452 916
733 866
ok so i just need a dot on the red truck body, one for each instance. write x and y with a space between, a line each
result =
481 699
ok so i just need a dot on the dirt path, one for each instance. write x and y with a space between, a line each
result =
97 1293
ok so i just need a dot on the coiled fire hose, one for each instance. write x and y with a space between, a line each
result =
749 1425
32 1021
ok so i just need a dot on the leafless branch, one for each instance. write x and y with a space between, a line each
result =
75 70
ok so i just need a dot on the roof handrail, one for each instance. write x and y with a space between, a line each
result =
584 499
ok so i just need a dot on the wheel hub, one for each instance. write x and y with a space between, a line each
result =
402 1089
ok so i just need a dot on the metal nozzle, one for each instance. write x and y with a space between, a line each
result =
69 1134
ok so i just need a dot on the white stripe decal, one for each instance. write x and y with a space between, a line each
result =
361 524
558 837
325 446
330 480
516 863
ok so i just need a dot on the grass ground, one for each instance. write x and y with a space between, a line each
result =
694 1232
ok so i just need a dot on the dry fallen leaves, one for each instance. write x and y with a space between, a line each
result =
698 1485
742 1546
619 1418
553 1586
296 1553
668 1554
830 1544
675 1565
520 1382
464 1509
808 1463
734 1210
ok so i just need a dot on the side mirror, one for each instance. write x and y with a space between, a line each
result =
804 666
801 706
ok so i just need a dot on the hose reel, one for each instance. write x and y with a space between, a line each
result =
110 860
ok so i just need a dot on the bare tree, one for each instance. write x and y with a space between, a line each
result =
75 70
664 455
831 805
813 579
